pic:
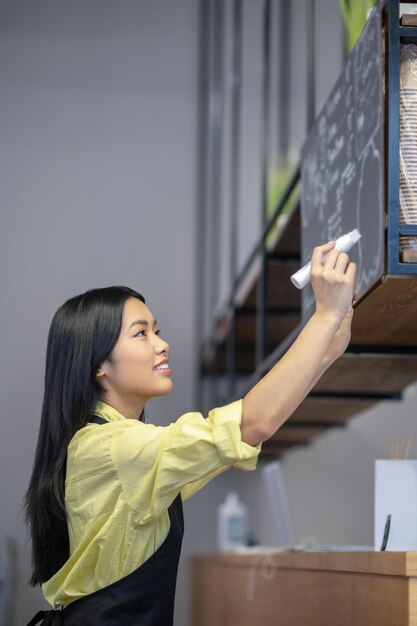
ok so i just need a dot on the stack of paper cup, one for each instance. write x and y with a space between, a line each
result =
408 148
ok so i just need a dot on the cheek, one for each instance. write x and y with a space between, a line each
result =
136 359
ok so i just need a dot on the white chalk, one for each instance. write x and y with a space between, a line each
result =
301 278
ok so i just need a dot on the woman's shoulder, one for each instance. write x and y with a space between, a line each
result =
89 450
97 438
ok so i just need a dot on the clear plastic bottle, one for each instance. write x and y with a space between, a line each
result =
231 523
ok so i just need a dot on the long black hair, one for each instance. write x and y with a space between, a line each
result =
82 335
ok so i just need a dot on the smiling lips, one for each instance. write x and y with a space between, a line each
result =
163 367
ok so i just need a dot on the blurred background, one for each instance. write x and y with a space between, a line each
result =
107 115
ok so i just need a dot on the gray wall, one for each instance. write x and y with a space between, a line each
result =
98 115
331 483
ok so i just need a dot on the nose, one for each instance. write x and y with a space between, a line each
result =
161 346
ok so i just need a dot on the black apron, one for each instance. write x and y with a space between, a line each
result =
143 598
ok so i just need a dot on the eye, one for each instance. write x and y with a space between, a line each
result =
141 333
158 332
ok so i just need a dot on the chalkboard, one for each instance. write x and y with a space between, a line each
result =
342 165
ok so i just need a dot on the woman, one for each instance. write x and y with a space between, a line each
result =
104 502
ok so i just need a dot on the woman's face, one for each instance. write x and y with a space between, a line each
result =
139 366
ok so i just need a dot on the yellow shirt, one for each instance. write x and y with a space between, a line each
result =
122 477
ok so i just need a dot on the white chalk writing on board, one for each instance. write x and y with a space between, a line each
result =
342 168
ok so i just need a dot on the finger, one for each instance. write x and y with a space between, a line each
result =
331 260
342 263
326 247
351 272
319 253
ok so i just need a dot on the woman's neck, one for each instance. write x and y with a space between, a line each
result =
131 408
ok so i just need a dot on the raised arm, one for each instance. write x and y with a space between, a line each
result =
323 339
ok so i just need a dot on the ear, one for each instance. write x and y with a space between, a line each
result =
100 373
103 373
100 379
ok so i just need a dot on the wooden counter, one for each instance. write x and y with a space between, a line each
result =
306 589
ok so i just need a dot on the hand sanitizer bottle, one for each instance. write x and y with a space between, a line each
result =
232 523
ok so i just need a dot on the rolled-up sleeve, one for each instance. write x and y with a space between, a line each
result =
227 437
155 463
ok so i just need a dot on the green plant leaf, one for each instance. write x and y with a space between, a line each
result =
354 14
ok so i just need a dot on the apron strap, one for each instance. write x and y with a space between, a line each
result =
97 420
47 618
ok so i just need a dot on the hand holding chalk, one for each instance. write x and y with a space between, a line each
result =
301 278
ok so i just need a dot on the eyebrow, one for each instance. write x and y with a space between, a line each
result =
142 323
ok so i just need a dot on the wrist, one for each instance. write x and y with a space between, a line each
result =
328 360
328 319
